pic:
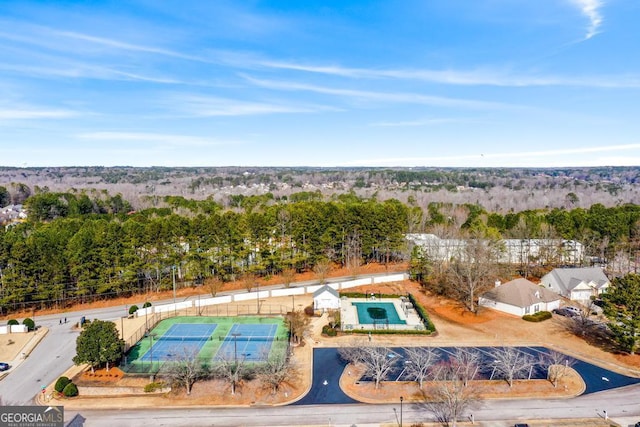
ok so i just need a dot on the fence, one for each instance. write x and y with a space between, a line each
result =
257 296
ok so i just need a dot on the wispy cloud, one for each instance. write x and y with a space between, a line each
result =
590 9
421 122
27 114
169 139
386 97
201 106
487 76
117 44
480 158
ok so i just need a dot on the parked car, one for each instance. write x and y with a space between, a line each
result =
576 311
4 366
564 312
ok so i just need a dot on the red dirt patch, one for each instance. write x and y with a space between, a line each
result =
101 376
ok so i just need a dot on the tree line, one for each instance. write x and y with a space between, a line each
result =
76 246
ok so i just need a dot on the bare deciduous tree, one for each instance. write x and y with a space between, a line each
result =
213 284
375 360
450 398
557 365
249 281
288 275
184 369
466 362
419 362
322 269
510 363
474 269
353 253
231 368
275 370
297 323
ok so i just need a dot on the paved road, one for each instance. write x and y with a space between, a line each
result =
622 403
54 354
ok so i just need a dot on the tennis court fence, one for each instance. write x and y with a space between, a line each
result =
153 318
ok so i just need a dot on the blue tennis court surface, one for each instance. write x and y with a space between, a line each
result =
249 342
179 340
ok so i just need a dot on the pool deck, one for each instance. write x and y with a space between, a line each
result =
405 310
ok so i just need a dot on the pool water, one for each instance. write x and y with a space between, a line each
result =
378 312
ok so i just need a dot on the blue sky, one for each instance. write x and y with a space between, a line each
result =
483 83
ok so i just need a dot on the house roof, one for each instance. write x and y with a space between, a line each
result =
326 288
569 278
521 293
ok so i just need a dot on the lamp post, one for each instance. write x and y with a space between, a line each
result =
173 274
401 399
258 296
150 353
235 336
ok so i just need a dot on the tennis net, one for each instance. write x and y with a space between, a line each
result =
251 338
184 338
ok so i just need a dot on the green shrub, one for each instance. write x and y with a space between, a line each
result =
133 309
390 331
29 323
151 387
61 384
422 313
146 304
367 295
537 317
70 390
329 331
12 322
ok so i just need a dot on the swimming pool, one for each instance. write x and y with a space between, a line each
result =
378 313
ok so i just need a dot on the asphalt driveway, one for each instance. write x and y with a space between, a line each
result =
328 367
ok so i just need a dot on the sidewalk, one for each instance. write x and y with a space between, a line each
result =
26 350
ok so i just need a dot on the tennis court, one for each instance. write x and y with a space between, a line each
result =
180 340
251 339
249 342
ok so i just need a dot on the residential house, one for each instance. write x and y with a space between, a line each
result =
577 284
520 297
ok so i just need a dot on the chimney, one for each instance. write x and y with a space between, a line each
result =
498 283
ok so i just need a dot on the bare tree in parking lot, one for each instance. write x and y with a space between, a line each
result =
449 398
419 362
511 363
377 361
556 364
466 362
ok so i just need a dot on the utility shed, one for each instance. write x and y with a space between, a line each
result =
326 298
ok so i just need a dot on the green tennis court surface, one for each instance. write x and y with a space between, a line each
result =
252 339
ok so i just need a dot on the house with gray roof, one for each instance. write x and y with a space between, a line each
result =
577 284
520 297
326 298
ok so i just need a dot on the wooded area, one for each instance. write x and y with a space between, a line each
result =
81 244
